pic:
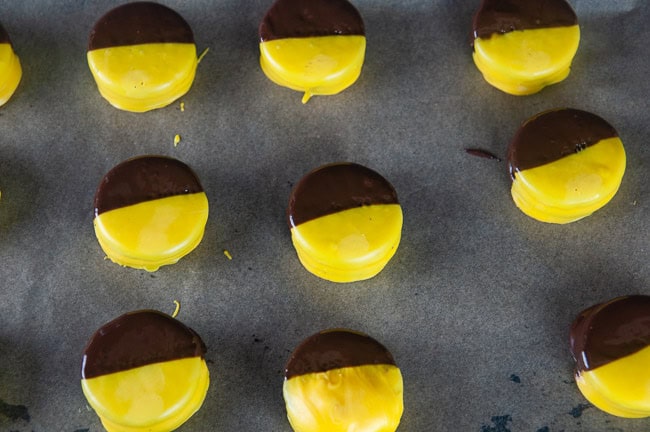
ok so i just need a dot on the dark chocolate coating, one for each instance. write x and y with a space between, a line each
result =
144 178
503 16
138 339
310 18
4 36
337 187
139 23
610 331
554 134
334 349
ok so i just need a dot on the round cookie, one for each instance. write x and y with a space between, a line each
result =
150 211
610 343
521 46
345 221
144 372
339 380
142 56
312 46
10 70
565 164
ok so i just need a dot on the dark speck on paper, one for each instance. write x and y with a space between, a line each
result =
14 412
82 430
577 411
500 424
515 379
544 429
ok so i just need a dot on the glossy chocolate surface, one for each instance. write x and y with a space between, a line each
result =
139 23
610 331
137 339
307 18
337 187
503 16
144 178
552 135
334 349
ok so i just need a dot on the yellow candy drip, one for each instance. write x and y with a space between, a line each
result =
323 65
360 399
143 77
154 233
349 245
622 387
10 72
573 187
525 61
154 398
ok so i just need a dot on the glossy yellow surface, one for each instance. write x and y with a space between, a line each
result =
323 65
524 62
573 187
143 77
350 245
353 399
622 387
154 398
153 233
10 72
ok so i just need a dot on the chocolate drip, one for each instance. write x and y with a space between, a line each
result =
503 16
144 178
610 331
4 36
308 18
552 135
337 187
139 23
334 349
137 339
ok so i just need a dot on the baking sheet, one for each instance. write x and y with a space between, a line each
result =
477 302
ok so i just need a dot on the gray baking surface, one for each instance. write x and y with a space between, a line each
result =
477 302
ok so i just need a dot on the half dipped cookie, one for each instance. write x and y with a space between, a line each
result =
610 343
150 211
565 164
345 222
10 69
313 46
340 380
522 46
144 372
142 56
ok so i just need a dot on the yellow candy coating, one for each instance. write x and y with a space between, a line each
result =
349 245
143 77
10 72
154 233
323 65
523 62
157 397
572 187
365 398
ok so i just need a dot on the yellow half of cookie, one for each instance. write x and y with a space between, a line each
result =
143 77
349 245
523 62
572 187
10 72
622 387
153 233
320 65
365 398
158 397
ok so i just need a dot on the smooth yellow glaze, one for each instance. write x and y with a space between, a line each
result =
622 387
350 245
573 187
154 398
10 72
525 61
153 233
143 77
323 65
352 399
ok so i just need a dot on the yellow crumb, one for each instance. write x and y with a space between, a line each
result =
205 51
227 254
182 106
177 139
178 308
